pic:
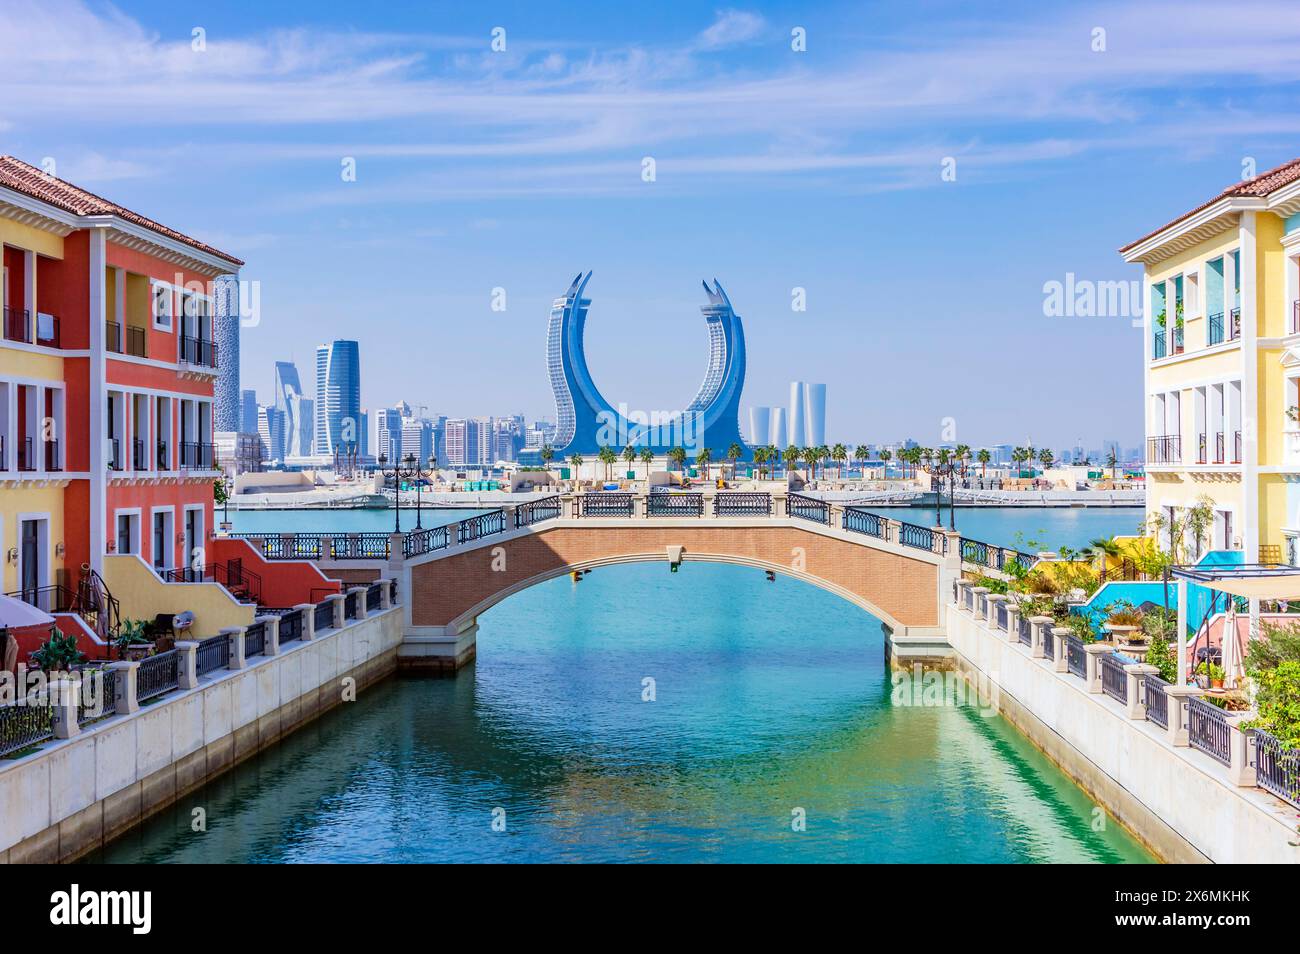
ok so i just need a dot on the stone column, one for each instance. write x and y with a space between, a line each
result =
340 620
359 596
1013 620
308 613
1241 749
396 550
1095 651
976 611
780 506
124 699
1136 674
65 694
893 528
1059 658
271 624
962 586
385 594
187 664
236 636
992 618
1178 696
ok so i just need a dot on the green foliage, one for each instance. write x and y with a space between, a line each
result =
219 492
1281 643
994 585
1080 626
58 653
1159 623
1278 702
1162 655
131 632
1123 613
1215 672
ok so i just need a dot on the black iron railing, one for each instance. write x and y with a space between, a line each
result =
481 525
242 583
1049 640
809 508
156 675
212 654
25 725
255 640
164 456
18 325
535 511
1277 770
374 597
1207 729
350 605
418 542
113 337
742 505
970 598
1158 345
1236 447
864 522
1076 660
290 626
1114 681
1156 700
1165 449
137 342
324 615
114 454
98 698
1202 451
359 546
26 454
605 505
198 456
675 505
139 454
199 351
52 599
1214 333
921 538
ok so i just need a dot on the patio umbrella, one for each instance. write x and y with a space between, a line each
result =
1228 648
15 614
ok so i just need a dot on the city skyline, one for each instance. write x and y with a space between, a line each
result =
808 187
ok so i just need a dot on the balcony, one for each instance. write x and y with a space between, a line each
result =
198 351
1165 449
1158 345
26 455
1214 329
52 463
1202 455
135 342
164 456
139 457
114 454
196 456
44 331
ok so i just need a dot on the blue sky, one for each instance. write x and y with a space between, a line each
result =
775 169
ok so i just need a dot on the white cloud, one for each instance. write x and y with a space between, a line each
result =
730 28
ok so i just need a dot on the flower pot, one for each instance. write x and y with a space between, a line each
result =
137 651
1216 683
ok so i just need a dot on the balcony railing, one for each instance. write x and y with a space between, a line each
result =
1178 340
114 454
1218 447
4 456
18 325
1202 452
1234 324
1214 328
139 457
196 456
164 456
26 455
199 351
1158 345
53 462
1236 447
1165 449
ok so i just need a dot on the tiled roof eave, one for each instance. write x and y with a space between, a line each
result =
1179 236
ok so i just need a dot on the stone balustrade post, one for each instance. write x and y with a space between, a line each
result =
780 506
1136 675
65 697
1093 666
1241 750
1177 700
187 664
385 594
893 530
339 611
978 611
962 587
236 636
396 550
358 593
271 626
307 611
1060 655
993 601
1013 620
124 697
568 510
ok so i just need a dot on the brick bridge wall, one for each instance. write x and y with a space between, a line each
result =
905 588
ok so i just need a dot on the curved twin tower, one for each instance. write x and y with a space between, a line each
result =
586 422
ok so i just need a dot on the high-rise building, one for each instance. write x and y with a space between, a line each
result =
760 424
386 423
462 442
417 440
247 412
297 410
798 424
814 399
780 436
271 428
225 326
339 424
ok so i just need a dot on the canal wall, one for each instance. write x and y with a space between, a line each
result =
75 795
1178 801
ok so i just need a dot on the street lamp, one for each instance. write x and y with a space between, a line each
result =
420 475
947 470
398 474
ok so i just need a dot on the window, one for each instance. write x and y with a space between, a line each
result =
162 306
128 532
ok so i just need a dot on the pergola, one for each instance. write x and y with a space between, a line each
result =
1252 582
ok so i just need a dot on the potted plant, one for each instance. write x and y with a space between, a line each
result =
1123 619
59 653
131 641
1213 675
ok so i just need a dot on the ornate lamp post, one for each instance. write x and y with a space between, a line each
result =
947 470
398 475
413 466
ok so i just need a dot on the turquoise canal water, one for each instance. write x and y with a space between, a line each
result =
1054 527
771 702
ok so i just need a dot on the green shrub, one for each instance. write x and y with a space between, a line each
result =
58 653
1278 702
1164 656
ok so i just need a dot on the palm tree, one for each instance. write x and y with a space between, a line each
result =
1046 457
885 456
984 457
760 460
862 454
678 456
1106 548
647 458
629 455
1018 458
702 460
607 457
1111 461
839 454
734 453
810 456
548 454
963 454
790 457
576 462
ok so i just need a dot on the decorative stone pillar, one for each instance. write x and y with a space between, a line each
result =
308 613
340 619
358 594
1241 750
396 550
780 506
187 664
567 508
1040 631
837 516
1093 678
1013 618
271 626
65 695
1136 674
962 587
124 699
893 529
236 636
994 600
1178 696
1060 659
385 594
978 611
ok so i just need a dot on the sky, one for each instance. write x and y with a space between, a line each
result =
917 173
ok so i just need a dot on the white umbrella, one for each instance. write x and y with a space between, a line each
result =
14 613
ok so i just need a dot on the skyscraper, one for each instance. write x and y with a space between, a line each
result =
248 412
798 424
778 437
226 391
814 400
338 399
462 441
270 428
296 409
760 424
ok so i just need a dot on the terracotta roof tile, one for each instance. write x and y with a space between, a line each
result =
1263 184
30 181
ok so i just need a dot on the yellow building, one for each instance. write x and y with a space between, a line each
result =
1222 365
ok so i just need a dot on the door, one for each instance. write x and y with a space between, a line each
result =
193 537
160 541
30 561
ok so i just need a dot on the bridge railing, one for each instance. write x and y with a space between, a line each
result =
742 504
605 504
535 511
808 508
675 505
866 522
